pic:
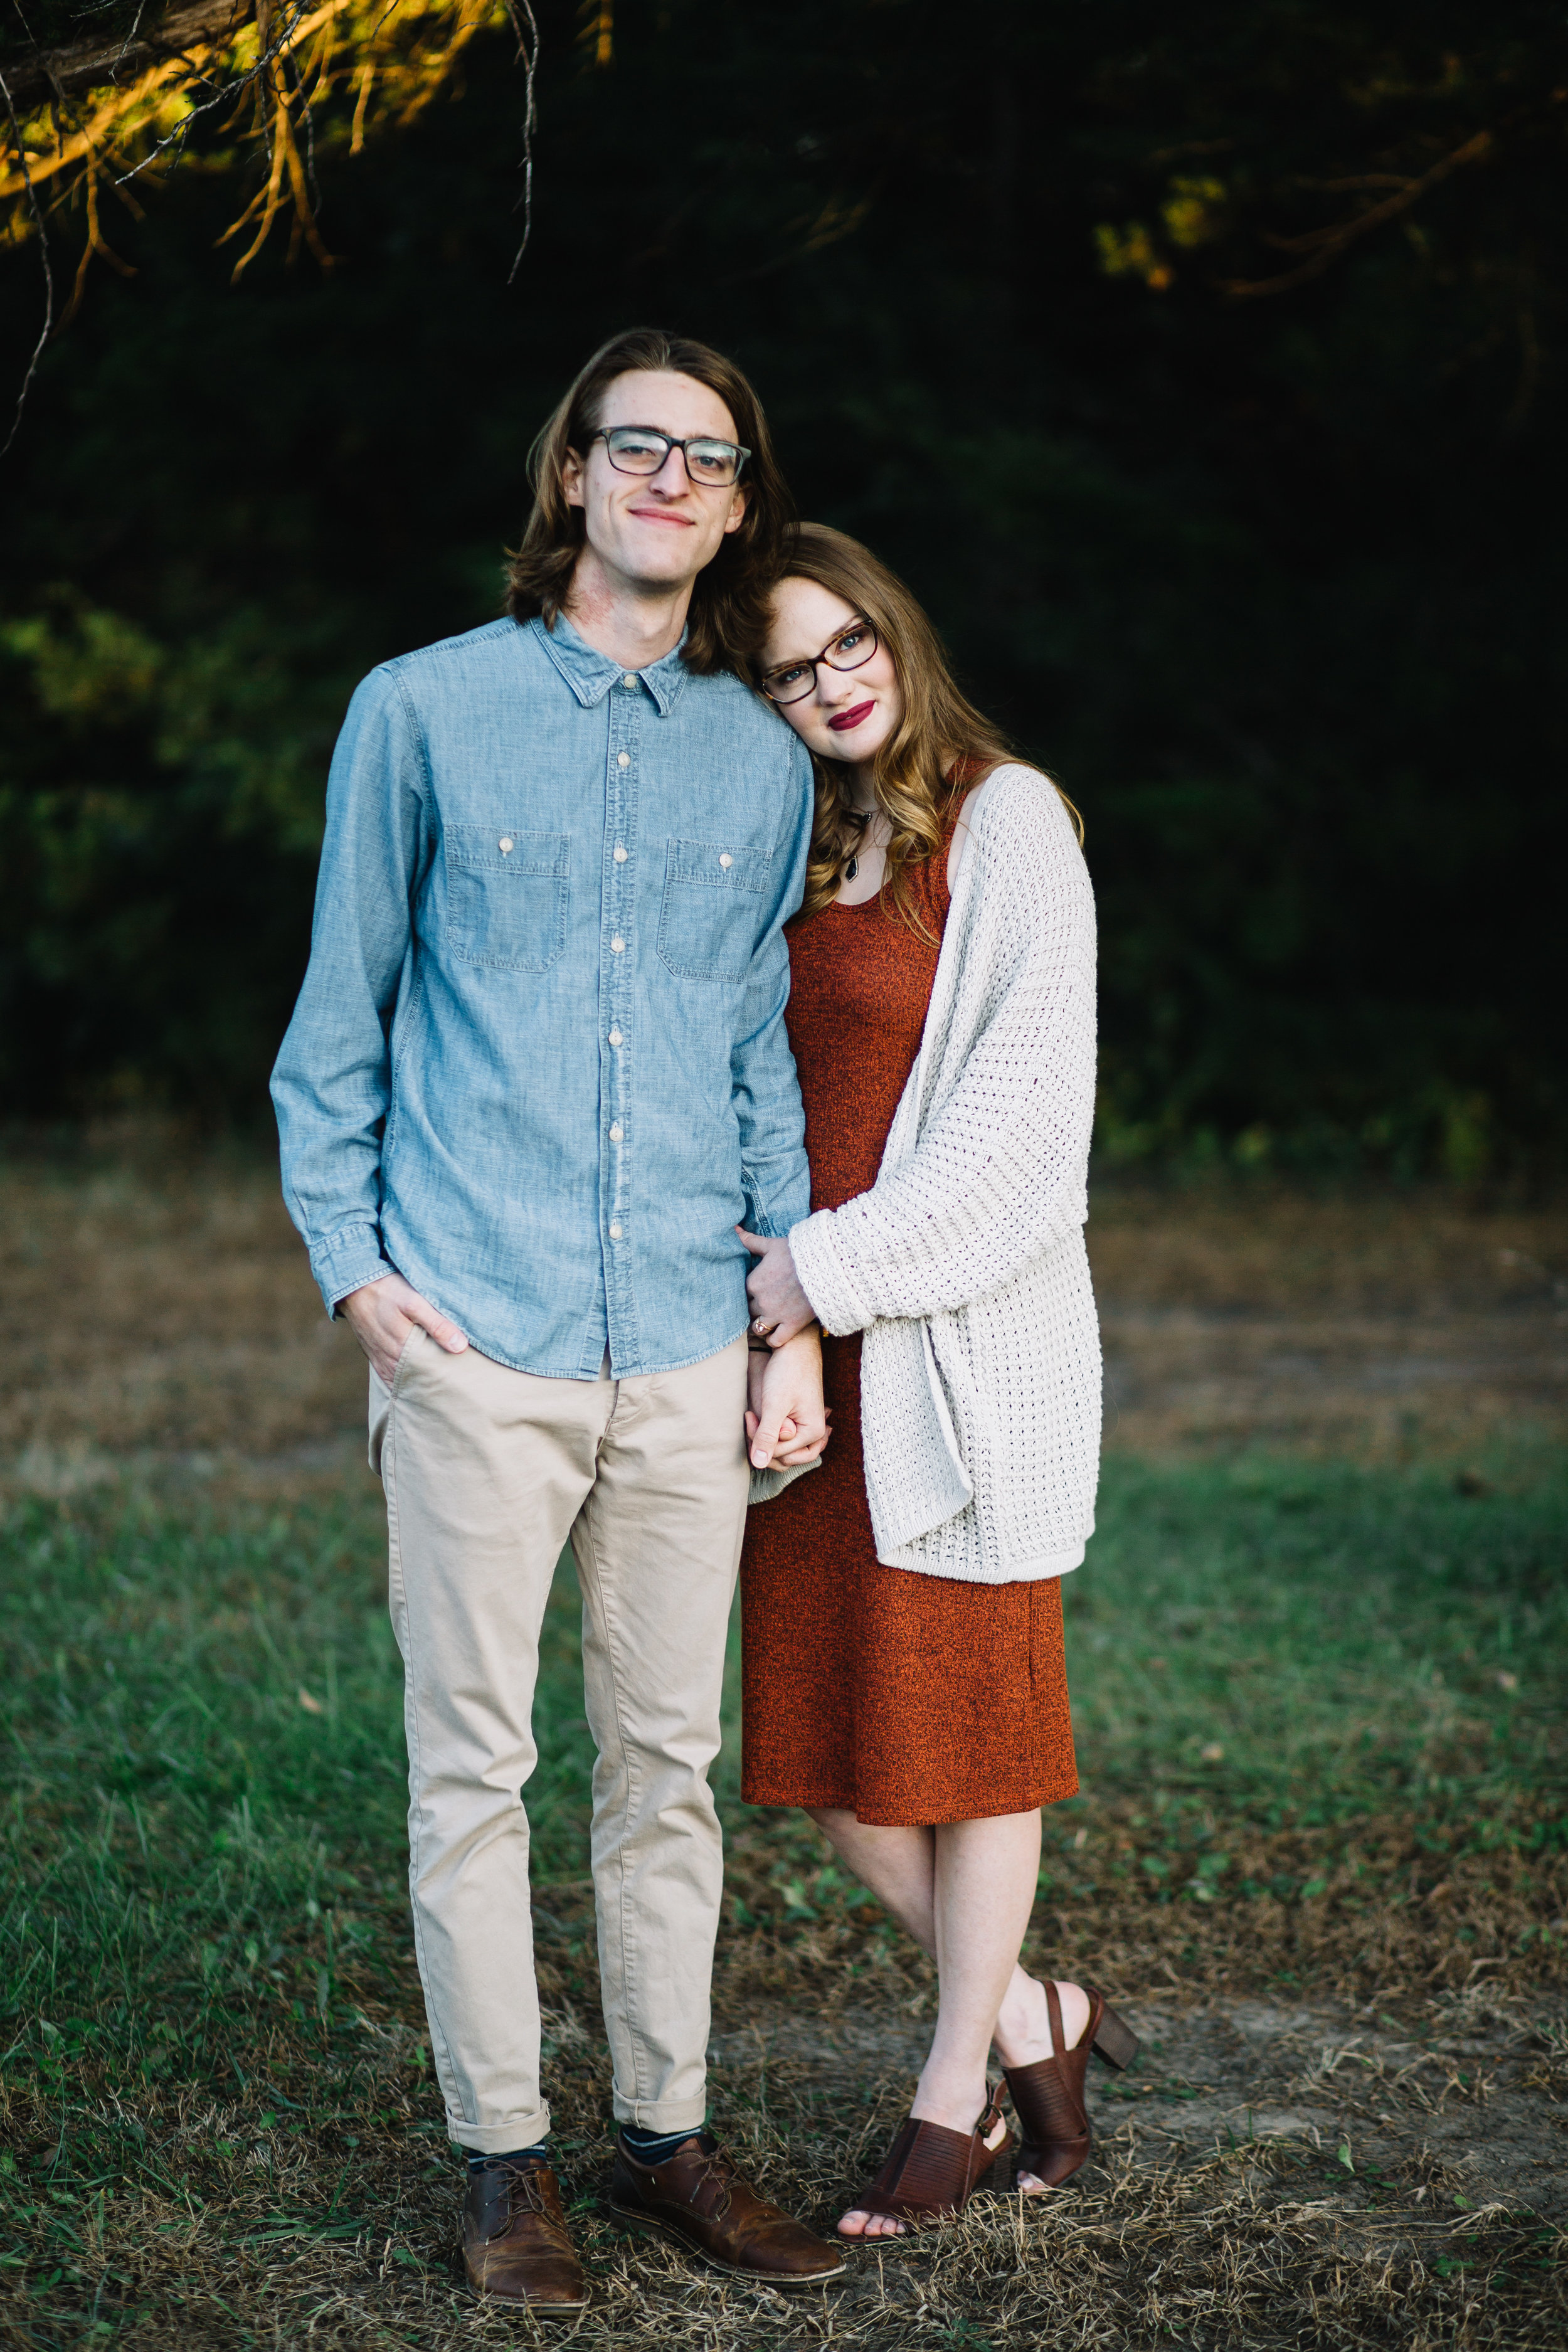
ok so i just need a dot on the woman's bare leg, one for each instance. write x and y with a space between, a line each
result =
963 1891
898 1865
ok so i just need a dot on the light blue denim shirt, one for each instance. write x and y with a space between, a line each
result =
539 1063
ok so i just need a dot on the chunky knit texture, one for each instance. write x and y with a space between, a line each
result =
965 1265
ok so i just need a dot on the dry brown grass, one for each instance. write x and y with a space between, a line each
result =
1334 2223
162 1306
1380 1325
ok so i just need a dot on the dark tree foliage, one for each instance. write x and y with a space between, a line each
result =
1269 579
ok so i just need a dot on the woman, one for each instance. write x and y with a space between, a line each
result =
904 1675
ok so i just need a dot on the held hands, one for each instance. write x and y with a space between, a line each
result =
780 1307
381 1315
787 1426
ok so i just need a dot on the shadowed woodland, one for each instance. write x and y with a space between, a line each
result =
1203 373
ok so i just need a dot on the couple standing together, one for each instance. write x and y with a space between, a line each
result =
556 1078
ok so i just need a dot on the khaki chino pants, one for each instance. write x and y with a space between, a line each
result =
487 1472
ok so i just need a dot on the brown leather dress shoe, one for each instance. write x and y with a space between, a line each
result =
515 2246
697 2198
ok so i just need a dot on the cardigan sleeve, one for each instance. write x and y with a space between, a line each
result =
998 1174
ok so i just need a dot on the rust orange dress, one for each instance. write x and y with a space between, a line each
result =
905 1698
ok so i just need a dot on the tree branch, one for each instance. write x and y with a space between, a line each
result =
188 26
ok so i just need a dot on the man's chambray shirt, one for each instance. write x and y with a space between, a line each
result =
539 1064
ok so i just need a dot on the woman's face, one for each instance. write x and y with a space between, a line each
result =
848 714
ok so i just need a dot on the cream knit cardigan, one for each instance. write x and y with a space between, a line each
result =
965 1265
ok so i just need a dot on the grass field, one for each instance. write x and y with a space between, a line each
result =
1321 1713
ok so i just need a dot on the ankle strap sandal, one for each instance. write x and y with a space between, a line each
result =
1047 2097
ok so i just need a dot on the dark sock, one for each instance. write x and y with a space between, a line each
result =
478 2160
651 2147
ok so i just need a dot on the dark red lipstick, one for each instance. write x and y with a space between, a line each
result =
853 716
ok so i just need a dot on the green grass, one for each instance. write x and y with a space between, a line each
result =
202 1933
1359 1646
1321 1718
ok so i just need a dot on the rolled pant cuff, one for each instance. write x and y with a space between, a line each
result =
660 2114
499 2140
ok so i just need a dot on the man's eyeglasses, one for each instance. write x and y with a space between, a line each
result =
852 648
639 450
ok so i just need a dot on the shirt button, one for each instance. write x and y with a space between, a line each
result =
615 1037
620 855
630 678
614 1233
726 859
617 947
614 1134
623 759
504 845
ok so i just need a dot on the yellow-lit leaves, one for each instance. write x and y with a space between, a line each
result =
1194 211
1192 214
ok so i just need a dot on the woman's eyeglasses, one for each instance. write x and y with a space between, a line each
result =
852 648
639 450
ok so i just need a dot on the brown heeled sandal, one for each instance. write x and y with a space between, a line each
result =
932 2172
1047 2097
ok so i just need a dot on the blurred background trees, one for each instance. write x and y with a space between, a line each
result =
1202 369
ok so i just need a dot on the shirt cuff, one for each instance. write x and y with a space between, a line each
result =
788 1207
822 1277
348 1259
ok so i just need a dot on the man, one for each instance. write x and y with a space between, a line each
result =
536 1078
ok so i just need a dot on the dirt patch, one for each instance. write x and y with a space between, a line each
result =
162 1306
1389 1326
1471 2100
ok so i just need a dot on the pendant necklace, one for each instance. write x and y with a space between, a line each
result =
867 817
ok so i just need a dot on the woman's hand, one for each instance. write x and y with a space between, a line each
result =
787 1426
780 1307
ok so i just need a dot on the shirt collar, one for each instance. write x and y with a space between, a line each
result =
591 675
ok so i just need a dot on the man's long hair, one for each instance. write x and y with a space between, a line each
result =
728 618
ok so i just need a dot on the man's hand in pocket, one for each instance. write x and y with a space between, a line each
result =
381 1315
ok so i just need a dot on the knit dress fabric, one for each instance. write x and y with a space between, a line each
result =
907 1699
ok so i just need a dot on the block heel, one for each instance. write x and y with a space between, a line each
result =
1114 2041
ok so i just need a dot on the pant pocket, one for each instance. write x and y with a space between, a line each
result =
416 1332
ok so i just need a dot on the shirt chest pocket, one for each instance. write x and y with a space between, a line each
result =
715 894
506 895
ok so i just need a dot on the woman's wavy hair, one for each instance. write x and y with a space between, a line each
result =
728 618
941 746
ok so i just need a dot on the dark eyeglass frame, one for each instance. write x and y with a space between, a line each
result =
821 661
693 440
